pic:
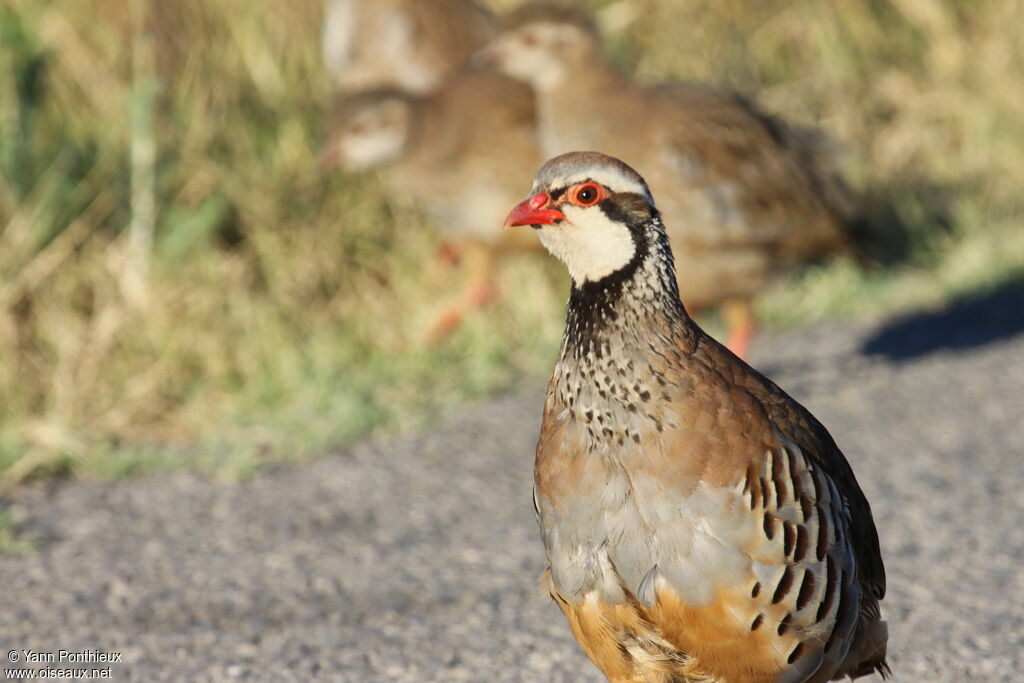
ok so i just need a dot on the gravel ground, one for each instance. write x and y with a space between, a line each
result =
415 558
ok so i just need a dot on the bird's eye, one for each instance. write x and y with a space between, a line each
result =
587 194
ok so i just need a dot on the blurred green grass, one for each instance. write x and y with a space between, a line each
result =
11 541
283 309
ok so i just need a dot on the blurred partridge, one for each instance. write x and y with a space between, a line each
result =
745 195
461 155
699 524
408 45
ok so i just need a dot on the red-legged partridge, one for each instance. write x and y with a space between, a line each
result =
461 154
746 196
699 524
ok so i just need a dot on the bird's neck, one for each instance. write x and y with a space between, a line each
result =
430 132
565 117
635 306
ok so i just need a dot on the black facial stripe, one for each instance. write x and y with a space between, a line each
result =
619 208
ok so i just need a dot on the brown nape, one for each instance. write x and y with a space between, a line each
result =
549 12
345 106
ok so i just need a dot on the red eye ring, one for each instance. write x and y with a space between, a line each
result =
587 194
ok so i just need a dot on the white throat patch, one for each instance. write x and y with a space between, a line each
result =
360 152
591 245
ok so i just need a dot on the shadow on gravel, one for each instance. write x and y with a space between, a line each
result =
973 320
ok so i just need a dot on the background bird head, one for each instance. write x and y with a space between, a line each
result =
368 130
546 44
592 212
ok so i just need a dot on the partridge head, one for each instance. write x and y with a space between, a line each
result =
369 129
593 213
699 524
546 44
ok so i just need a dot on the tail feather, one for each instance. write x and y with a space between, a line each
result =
867 656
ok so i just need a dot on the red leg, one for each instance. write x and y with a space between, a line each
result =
446 323
448 254
479 291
